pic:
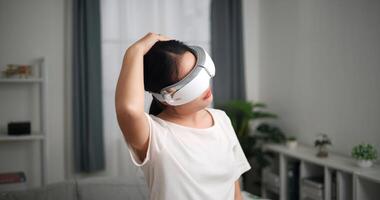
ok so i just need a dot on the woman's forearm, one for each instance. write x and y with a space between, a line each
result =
130 86
237 191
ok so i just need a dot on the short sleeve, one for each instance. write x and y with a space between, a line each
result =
241 163
135 159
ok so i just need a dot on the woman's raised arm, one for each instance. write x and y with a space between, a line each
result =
129 96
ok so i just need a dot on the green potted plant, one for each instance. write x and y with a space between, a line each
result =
365 154
291 142
321 143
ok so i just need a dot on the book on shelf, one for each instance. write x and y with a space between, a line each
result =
312 188
12 177
315 182
12 181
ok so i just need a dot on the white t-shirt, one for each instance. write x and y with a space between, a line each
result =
187 163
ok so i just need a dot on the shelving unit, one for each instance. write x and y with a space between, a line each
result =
13 144
342 179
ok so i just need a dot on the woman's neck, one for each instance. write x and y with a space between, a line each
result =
191 118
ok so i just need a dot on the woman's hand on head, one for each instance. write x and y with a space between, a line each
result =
145 43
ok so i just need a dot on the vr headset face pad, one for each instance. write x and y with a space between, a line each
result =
193 85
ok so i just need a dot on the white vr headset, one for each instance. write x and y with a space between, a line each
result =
193 85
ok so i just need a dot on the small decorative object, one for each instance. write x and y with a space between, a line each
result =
19 128
365 154
321 143
21 70
10 71
24 71
291 142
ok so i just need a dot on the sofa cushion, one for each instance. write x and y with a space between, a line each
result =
56 191
110 189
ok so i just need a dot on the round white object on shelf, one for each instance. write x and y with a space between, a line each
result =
365 163
293 144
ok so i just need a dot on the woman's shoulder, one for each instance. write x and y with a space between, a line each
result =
222 115
156 121
217 111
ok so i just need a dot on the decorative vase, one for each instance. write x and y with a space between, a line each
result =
292 144
365 163
322 151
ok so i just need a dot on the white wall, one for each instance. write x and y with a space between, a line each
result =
29 30
317 65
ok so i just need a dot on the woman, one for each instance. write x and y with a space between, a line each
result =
186 150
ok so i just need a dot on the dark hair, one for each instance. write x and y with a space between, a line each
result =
161 68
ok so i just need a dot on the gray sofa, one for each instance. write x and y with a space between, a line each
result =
84 189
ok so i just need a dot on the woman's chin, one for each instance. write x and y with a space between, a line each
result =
207 101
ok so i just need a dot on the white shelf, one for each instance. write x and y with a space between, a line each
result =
21 80
7 138
335 161
353 182
372 176
39 83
